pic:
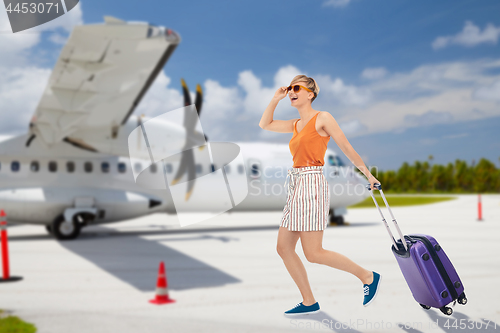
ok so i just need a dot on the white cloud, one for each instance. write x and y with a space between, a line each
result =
57 38
470 36
285 75
336 3
160 98
427 95
256 97
15 47
429 118
345 94
454 92
221 102
491 92
20 91
374 73
352 127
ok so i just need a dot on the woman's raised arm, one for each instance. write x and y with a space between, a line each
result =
268 123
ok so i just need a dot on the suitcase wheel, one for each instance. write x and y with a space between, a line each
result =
462 299
425 306
446 310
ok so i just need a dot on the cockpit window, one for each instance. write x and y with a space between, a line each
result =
34 166
15 166
122 167
335 161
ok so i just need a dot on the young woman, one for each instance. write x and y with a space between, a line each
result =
306 210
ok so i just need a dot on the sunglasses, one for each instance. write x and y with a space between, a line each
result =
296 88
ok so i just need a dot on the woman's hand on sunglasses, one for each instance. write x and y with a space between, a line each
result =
280 93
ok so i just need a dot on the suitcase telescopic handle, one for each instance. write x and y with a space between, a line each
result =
379 187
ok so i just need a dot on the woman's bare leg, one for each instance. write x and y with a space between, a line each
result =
287 240
314 252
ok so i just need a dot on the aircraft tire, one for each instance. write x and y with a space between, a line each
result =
339 219
63 231
336 220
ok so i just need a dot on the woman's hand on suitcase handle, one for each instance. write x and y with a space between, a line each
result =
374 184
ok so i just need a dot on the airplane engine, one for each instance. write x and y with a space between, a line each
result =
66 210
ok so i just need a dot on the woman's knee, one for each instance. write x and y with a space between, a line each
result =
313 256
284 251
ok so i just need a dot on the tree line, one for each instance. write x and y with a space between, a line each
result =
458 177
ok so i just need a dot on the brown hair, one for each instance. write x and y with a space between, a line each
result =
310 83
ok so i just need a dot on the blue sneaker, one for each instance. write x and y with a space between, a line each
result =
371 290
303 309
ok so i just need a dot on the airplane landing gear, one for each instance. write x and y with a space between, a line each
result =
64 230
336 220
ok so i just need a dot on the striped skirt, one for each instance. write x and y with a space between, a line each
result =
308 200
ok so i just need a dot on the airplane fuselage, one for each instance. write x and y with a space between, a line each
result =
38 184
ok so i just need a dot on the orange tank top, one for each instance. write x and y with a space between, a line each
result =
308 147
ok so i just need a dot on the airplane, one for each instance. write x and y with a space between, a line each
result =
72 168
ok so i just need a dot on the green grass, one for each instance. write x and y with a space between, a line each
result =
400 200
13 324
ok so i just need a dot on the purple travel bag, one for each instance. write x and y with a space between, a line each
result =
432 279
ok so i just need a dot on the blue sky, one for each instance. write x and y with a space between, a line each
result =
404 79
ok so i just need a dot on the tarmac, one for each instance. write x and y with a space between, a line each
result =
226 275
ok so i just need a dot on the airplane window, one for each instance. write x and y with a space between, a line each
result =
339 161
213 167
137 167
122 167
169 168
52 166
105 167
198 168
227 168
153 168
87 166
15 166
35 166
241 169
70 166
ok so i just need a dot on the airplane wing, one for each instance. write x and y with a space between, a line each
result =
101 75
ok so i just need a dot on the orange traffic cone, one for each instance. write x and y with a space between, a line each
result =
161 288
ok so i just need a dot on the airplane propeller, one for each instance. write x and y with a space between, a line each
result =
187 163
